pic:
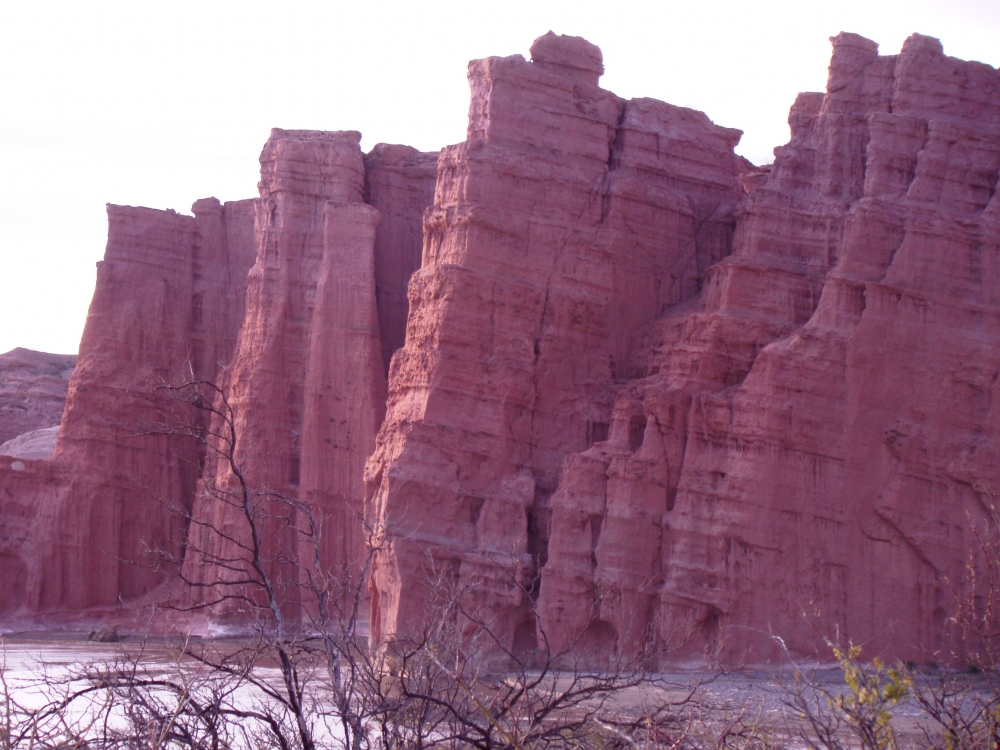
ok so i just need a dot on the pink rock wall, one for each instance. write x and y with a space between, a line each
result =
567 221
811 451
166 307
645 389
25 485
228 296
399 182
345 388
32 390
301 171
307 384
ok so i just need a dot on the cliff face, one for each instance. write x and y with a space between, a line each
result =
279 302
166 307
307 384
345 385
301 171
32 390
645 389
566 222
819 443
399 183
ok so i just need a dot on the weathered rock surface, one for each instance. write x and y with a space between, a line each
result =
399 182
307 385
168 302
276 300
301 171
645 390
566 222
35 444
345 385
32 390
813 451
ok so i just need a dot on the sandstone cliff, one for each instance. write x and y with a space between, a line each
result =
279 301
32 390
168 302
614 381
568 221
818 445
307 385
399 182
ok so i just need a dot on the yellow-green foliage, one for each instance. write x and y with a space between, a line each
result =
873 689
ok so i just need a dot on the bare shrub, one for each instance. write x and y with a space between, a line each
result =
301 674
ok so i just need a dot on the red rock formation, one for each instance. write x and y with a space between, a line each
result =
301 171
32 390
399 182
647 390
818 443
345 384
166 307
169 303
307 385
566 222
24 486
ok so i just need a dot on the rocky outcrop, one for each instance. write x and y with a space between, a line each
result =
168 302
32 390
639 390
566 222
301 171
276 301
307 385
35 444
399 182
818 442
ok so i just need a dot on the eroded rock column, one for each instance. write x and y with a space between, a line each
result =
558 232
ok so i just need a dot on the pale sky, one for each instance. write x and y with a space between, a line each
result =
161 103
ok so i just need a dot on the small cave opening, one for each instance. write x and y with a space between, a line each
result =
710 628
671 498
197 308
595 537
538 547
474 505
597 432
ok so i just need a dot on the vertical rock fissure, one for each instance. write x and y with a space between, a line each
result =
615 147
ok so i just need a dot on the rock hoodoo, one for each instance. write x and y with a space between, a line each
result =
590 364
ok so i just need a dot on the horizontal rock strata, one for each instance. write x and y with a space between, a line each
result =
817 445
167 306
32 390
614 383
566 222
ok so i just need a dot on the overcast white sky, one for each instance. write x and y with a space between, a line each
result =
161 103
